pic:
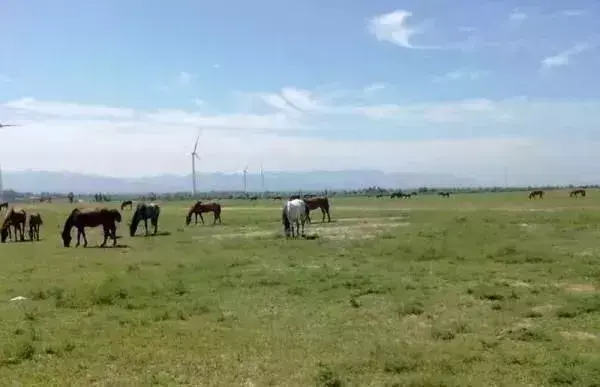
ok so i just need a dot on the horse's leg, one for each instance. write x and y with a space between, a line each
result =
196 217
106 234
22 227
201 218
146 225
113 230
155 224
79 234
323 213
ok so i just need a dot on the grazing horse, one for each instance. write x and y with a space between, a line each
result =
577 192
4 205
198 208
277 198
127 203
444 194
144 212
35 221
104 217
295 212
535 193
17 220
318 202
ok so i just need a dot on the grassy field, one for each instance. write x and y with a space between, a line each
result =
475 290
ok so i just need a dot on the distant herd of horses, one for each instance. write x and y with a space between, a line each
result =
295 213
108 218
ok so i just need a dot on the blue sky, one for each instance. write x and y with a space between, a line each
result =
464 87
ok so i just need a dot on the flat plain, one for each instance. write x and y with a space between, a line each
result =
475 290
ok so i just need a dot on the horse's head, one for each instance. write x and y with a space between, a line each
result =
66 237
188 219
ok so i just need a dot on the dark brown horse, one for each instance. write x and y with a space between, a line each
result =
277 198
79 219
535 193
4 205
127 203
35 221
444 194
17 220
198 209
577 192
321 202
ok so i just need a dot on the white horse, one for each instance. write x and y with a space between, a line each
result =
294 212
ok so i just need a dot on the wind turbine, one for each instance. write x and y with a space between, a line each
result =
262 178
245 174
194 157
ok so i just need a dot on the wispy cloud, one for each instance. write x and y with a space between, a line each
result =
563 58
374 87
5 79
480 128
181 81
393 27
517 16
573 12
462 74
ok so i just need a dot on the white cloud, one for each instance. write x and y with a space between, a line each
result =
517 16
392 27
573 12
563 58
462 74
374 87
473 137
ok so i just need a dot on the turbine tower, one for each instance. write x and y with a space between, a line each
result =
245 172
262 178
194 157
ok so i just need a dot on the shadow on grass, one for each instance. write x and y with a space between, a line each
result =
158 234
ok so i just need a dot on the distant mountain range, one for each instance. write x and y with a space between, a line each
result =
44 181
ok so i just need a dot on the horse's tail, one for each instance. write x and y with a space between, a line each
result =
285 220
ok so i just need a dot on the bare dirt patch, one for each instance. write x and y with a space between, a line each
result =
580 288
579 335
326 230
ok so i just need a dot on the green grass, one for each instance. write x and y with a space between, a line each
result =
475 290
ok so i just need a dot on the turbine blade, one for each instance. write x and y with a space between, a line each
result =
198 157
196 144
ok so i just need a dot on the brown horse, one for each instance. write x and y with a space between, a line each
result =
127 203
35 221
104 217
444 194
535 193
4 205
16 219
321 202
198 208
577 192
277 198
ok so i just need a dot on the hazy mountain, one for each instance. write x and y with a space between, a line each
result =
42 181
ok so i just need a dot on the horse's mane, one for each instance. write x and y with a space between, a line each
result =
70 222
